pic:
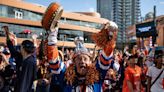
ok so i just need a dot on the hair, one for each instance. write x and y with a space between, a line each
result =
78 54
1 58
61 55
131 57
28 46
140 61
158 54
156 57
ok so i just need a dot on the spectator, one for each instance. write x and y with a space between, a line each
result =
25 63
111 82
144 69
132 81
6 73
82 75
156 75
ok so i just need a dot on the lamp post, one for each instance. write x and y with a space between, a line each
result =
63 43
154 19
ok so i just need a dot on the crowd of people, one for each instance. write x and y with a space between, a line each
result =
104 70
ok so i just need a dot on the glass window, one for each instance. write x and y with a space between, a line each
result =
81 23
18 14
3 10
12 12
68 35
19 30
87 37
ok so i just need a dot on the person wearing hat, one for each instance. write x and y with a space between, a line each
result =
82 75
25 63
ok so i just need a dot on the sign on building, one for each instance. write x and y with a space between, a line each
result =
146 29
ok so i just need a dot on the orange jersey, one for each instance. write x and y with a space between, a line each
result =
132 75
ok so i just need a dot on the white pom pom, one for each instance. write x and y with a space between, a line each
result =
113 24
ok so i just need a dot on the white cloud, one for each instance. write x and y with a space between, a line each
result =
91 9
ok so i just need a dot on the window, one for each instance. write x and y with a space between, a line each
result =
12 12
81 23
3 11
69 35
17 29
18 14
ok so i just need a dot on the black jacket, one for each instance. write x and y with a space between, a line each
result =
25 70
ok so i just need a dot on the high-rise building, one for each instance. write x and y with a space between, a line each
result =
104 7
123 12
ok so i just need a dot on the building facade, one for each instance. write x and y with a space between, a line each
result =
21 16
123 12
132 39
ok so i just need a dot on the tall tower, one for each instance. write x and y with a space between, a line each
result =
104 7
123 12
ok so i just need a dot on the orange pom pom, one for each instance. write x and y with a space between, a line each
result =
101 38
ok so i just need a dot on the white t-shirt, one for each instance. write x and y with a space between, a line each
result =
148 63
153 72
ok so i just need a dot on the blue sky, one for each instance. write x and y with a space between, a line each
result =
90 5
147 6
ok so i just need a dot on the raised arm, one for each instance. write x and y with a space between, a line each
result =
55 63
10 40
106 39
